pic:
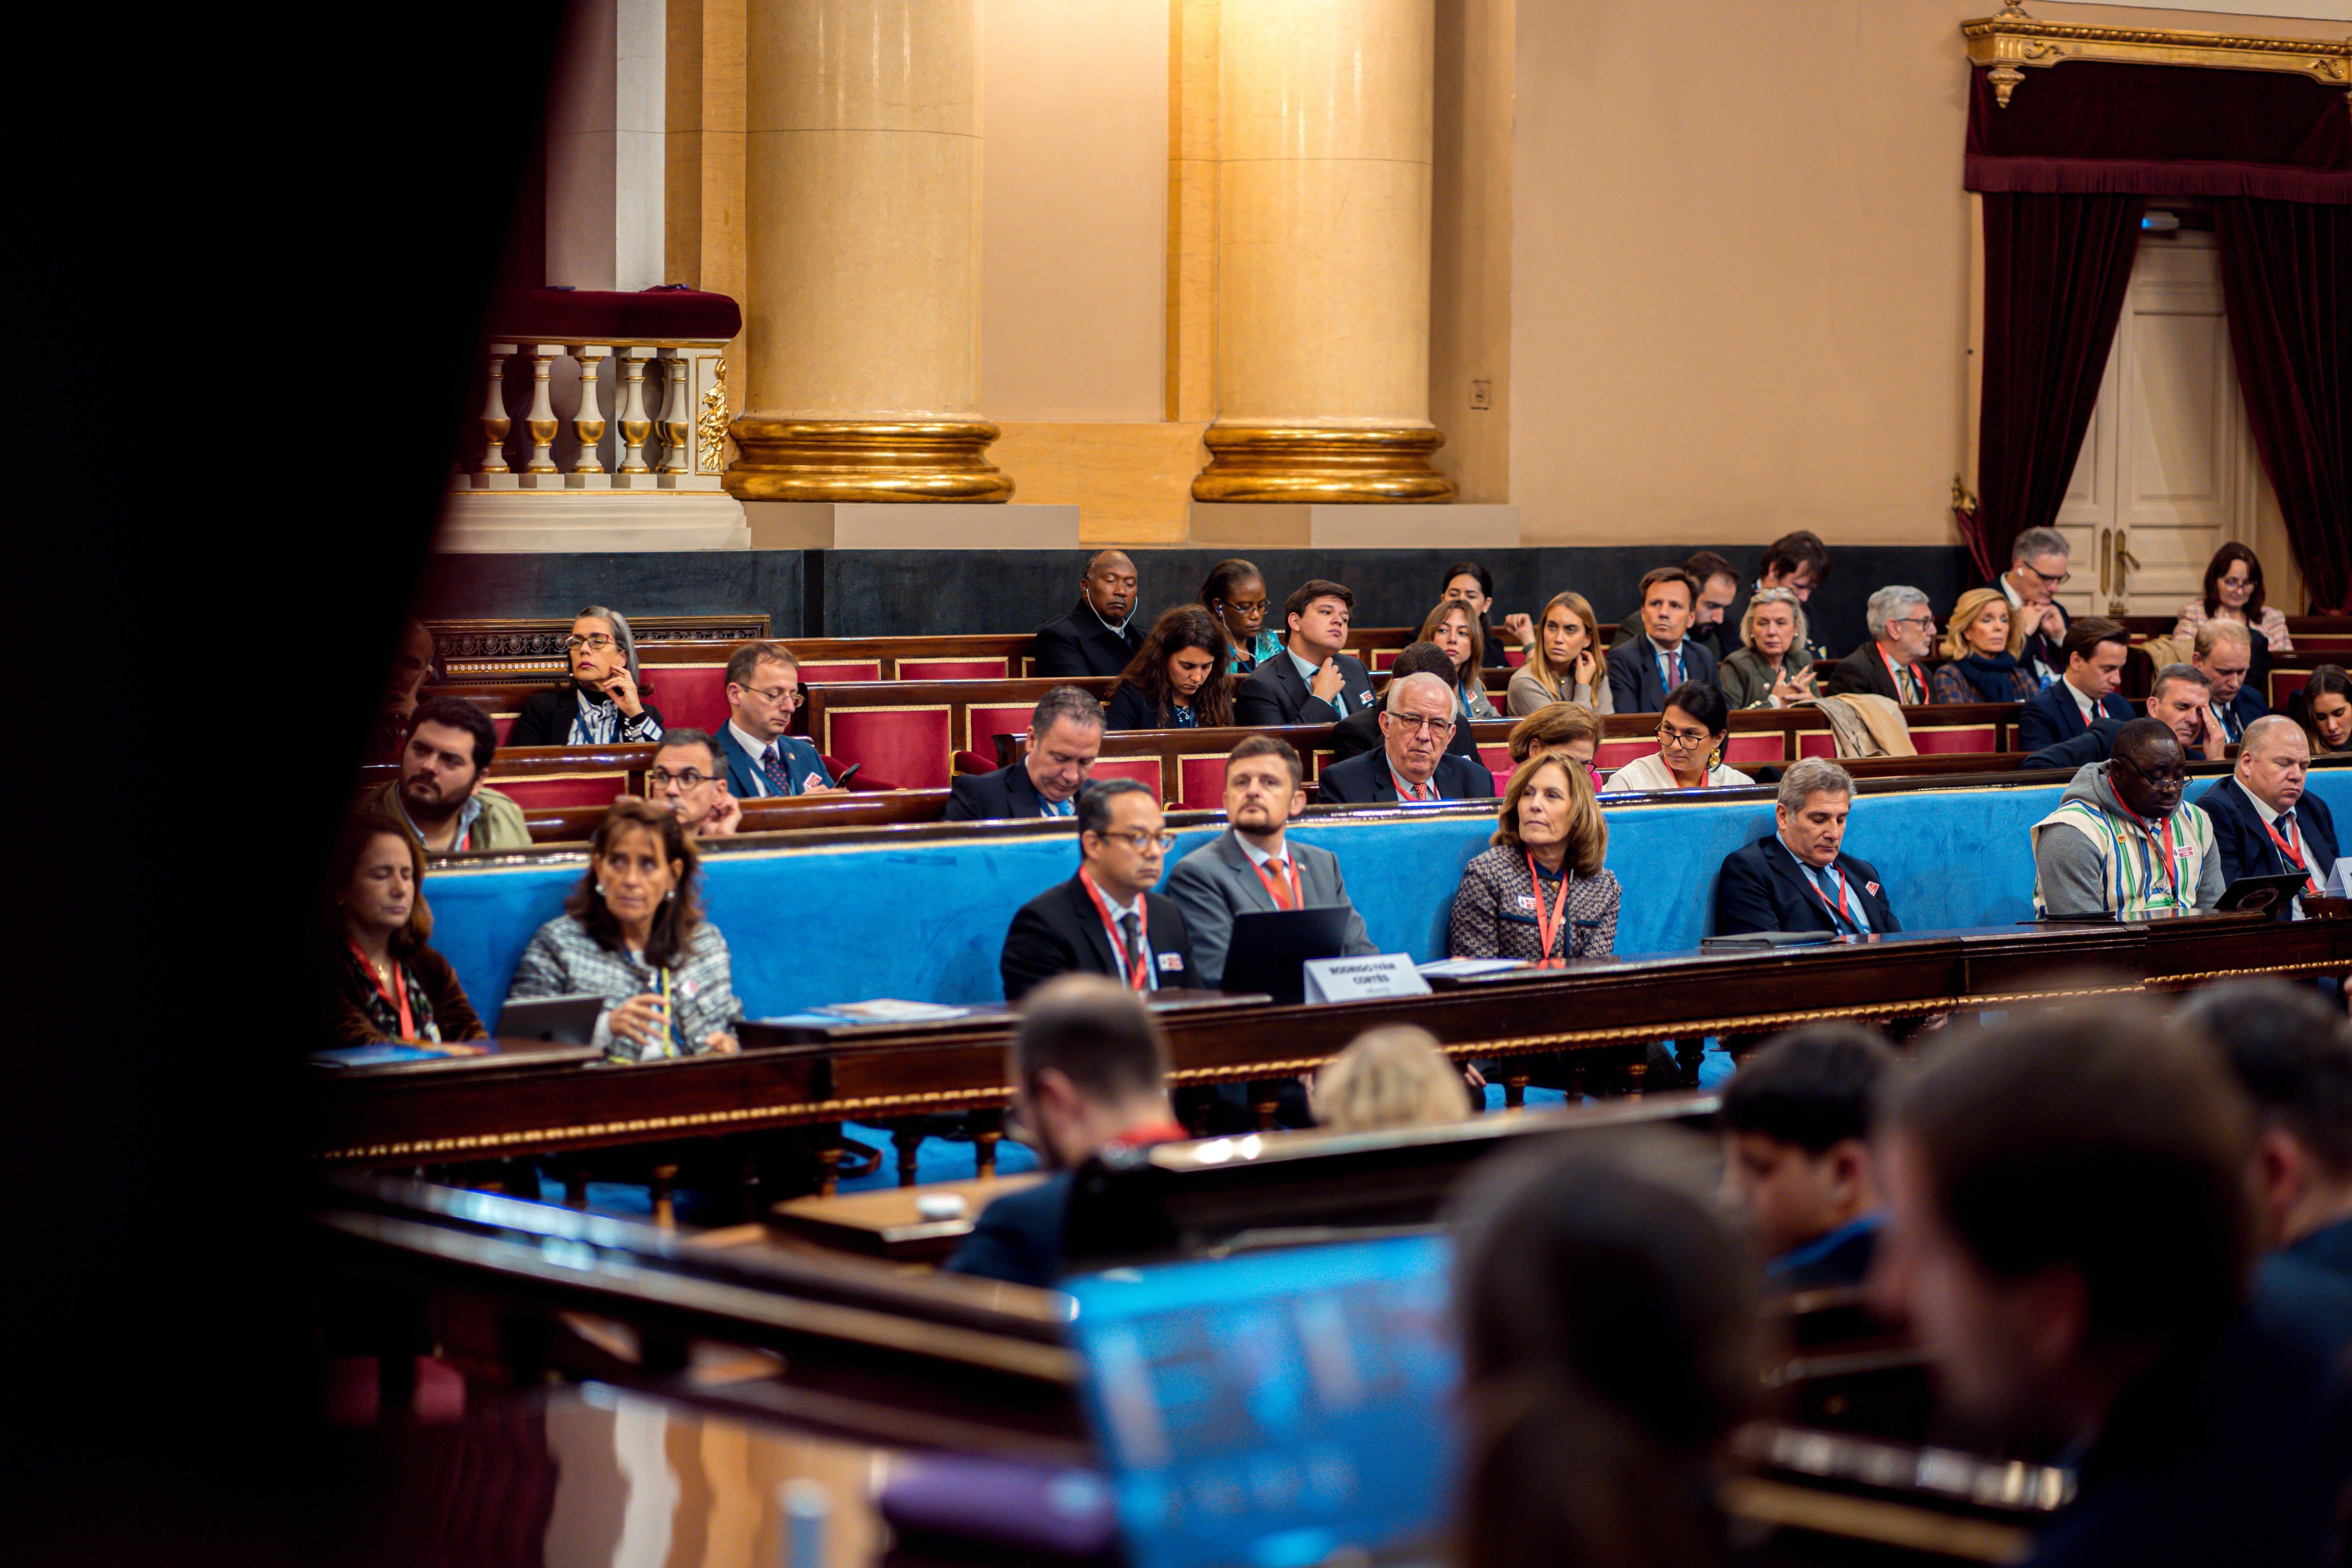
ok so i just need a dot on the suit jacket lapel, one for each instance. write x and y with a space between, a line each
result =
1021 793
1245 871
1784 866
1098 939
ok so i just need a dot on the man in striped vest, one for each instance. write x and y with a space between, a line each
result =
2122 840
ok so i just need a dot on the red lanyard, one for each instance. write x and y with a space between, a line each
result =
1274 888
2171 870
1839 876
396 995
1896 673
1139 976
1547 928
2292 847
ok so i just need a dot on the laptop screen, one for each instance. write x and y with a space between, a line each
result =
1270 1409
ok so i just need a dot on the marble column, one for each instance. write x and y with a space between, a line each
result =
862 201
1325 158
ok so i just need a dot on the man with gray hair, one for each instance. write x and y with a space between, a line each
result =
1799 877
1065 732
2037 565
2264 823
1412 763
1902 629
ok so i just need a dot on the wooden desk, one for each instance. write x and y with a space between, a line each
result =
884 1224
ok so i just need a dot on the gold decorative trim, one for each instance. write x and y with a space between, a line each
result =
1305 464
710 425
2014 39
865 460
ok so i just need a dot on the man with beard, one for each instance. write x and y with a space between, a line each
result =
439 795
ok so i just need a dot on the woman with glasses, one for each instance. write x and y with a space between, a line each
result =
1236 595
1563 661
2233 592
1452 627
633 933
1982 653
600 705
1178 679
383 984
1569 728
1774 666
1540 894
1691 736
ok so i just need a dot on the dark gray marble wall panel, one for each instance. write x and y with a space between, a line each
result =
636 583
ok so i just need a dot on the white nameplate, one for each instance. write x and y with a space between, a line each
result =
1363 979
2340 881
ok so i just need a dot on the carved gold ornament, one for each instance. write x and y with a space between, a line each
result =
711 424
2012 39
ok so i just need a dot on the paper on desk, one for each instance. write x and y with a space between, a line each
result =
1468 966
885 1010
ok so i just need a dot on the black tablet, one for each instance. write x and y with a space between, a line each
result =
2258 893
567 1020
1271 947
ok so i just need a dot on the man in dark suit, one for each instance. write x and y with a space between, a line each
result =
1412 762
2095 745
2225 653
2095 654
1098 636
1089 1073
2264 823
1359 732
1901 630
1644 670
2037 565
763 689
1105 919
1712 626
1799 878
1310 681
1065 732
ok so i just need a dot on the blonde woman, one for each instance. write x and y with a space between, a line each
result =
1452 628
1774 663
1393 1076
1563 662
1983 653
1541 894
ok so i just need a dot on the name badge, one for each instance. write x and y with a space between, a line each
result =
1528 904
1171 963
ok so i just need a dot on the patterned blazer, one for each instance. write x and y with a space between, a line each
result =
1495 912
564 960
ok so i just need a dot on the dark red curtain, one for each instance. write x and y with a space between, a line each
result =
2286 282
2057 268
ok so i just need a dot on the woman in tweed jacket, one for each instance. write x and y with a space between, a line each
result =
1549 835
633 933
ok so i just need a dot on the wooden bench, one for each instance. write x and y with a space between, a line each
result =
572 824
540 778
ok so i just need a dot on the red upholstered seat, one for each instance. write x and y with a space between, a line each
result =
505 721
1515 657
2284 684
1498 758
985 722
841 670
662 315
691 695
1145 770
1201 783
1746 752
1611 756
1958 738
908 746
944 669
542 792
1382 657
1816 743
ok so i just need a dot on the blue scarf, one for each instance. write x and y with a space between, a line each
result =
1993 676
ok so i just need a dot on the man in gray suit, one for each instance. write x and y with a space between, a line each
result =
1251 866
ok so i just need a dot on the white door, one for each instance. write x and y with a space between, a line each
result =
2167 467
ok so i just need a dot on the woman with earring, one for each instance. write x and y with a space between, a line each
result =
1691 737
383 984
633 933
1236 595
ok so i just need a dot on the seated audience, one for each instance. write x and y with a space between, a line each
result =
1254 866
1474 585
2292 1055
1719 588
1177 679
1089 1073
1065 732
1660 657
2096 649
1412 763
2180 697
633 933
2067 1232
1799 877
1392 1076
1563 662
1099 635
2037 567
2323 708
1235 593
1795 1120
382 983
2123 841
1312 682
763 689
1797 561
1105 920
1360 731
1773 664
1981 654
1691 734
440 797
1610 1351
1902 631
690 776
1569 729
2224 652
2264 823
1452 628
1540 894
2233 592
600 705
414 663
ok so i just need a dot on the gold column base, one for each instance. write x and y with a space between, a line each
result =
1289 463
864 460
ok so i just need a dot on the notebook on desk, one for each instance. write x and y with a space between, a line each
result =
1272 1409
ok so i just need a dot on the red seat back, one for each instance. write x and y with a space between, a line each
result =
908 746
689 694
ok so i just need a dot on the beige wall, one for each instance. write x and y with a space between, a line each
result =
1470 260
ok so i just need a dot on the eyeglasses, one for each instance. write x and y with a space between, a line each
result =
1139 840
2177 777
1927 621
1247 606
2047 579
1670 736
598 641
1440 728
662 778
782 696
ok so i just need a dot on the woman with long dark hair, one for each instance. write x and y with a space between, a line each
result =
2233 591
384 981
1178 679
2323 708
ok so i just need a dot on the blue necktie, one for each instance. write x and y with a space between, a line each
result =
1057 808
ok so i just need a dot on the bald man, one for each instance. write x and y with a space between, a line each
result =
1412 762
1099 637
2264 823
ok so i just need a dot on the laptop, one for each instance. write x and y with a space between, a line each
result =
1270 949
1271 1409
566 1020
